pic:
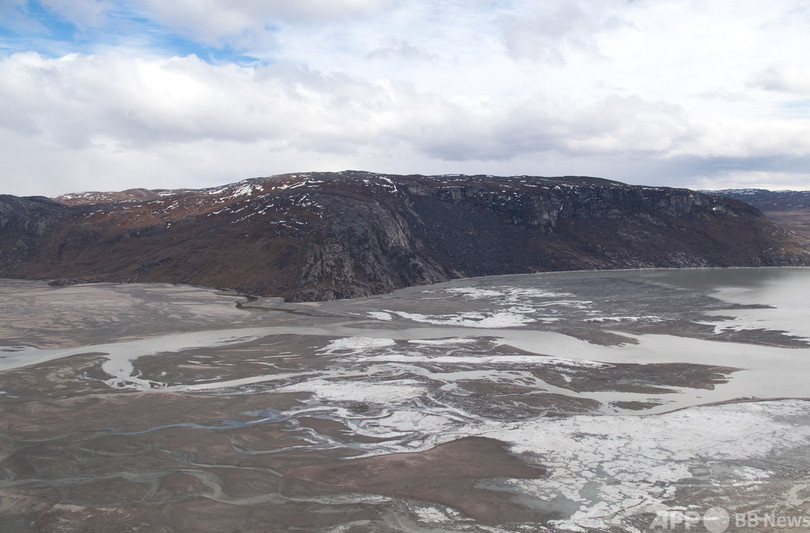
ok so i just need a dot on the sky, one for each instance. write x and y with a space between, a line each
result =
110 95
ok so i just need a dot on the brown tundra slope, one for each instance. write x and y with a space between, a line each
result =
318 236
790 209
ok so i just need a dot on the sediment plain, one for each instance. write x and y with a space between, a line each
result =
575 401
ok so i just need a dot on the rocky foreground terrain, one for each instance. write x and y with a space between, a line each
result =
322 236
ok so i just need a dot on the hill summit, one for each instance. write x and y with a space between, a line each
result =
318 236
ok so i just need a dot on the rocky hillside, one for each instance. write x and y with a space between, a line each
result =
319 236
788 208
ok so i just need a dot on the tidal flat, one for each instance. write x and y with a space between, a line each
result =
643 400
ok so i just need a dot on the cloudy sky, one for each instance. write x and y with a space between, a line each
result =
108 95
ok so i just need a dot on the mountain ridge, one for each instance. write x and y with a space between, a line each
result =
322 235
791 209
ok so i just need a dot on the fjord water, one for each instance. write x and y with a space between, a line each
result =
635 392
786 292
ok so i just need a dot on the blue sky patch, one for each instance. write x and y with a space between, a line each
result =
35 27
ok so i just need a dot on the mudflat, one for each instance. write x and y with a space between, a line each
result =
596 401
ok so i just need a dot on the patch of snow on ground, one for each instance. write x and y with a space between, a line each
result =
359 391
434 515
442 342
501 319
614 466
475 293
356 344
246 190
651 318
526 292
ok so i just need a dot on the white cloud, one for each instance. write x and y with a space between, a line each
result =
546 31
790 78
82 13
675 90
244 22
400 50
138 103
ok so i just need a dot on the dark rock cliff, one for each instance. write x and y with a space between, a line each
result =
319 236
